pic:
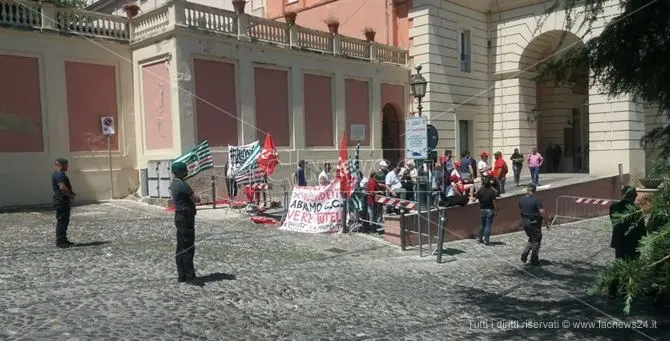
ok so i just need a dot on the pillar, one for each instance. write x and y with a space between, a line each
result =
555 105
247 101
183 102
615 129
513 125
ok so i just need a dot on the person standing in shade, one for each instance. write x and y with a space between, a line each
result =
299 178
324 177
628 227
487 197
532 214
62 200
535 161
517 165
184 220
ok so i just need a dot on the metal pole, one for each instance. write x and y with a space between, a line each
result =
621 175
402 230
440 237
417 197
213 192
429 205
111 172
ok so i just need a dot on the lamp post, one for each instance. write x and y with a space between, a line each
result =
418 86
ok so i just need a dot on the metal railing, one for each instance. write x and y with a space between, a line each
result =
179 14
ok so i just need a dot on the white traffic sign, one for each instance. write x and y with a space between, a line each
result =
416 137
107 125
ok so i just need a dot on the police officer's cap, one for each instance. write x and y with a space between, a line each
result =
61 160
178 168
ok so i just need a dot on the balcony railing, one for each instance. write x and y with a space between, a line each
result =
178 14
29 14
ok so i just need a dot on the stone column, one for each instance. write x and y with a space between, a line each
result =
616 127
297 109
183 102
555 109
513 125
248 130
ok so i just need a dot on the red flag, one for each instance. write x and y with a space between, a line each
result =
269 158
342 173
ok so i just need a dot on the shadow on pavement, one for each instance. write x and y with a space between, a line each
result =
217 276
567 283
98 243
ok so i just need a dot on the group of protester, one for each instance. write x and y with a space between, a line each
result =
627 217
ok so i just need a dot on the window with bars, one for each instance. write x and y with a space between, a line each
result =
465 51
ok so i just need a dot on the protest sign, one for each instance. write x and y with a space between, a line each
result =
242 163
315 209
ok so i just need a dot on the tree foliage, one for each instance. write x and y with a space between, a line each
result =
629 56
81 4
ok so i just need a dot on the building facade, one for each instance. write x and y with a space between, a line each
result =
481 60
171 77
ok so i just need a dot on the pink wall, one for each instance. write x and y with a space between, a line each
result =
216 93
20 105
318 111
390 22
91 94
357 97
272 111
157 106
395 95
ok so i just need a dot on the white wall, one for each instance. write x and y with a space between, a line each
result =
616 125
452 95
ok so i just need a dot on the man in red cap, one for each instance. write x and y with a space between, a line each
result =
483 166
500 172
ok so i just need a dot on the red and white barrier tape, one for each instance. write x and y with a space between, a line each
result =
592 201
397 203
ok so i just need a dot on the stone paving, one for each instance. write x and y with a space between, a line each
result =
266 284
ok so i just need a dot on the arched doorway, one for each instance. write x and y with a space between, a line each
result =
561 119
391 134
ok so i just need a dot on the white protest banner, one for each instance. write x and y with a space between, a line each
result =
315 209
242 158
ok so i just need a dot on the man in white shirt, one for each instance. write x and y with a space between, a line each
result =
483 166
324 176
393 182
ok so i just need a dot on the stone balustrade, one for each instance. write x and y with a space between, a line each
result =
179 14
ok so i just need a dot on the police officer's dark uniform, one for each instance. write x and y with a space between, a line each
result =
184 220
531 213
624 238
62 201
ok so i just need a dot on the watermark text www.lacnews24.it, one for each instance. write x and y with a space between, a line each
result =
563 324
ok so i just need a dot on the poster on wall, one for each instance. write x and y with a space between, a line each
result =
315 209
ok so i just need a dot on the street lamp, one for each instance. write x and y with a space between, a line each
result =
418 87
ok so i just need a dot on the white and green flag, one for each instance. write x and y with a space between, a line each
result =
197 160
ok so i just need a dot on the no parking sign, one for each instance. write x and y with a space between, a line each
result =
107 125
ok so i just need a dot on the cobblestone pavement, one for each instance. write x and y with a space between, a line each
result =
290 286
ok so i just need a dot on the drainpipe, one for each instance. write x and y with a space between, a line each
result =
388 17
491 70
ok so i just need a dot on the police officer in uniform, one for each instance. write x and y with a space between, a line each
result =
184 220
532 214
62 200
